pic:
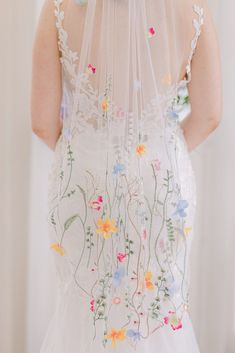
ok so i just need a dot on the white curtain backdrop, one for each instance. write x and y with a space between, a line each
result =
26 269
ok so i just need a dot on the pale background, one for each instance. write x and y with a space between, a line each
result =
27 289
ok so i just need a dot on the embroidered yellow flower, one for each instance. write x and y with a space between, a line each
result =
105 105
140 149
187 230
116 335
105 227
148 280
58 248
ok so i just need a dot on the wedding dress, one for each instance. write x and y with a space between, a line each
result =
122 192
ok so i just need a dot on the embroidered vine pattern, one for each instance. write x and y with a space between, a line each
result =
127 275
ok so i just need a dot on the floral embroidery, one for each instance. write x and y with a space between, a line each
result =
67 133
105 227
181 206
141 149
96 204
116 335
92 305
187 230
58 248
173 320
118 276
156 164
148 280
151 32
121 256
105 105
134 334
143 228
118 168
144 234
91 69
116 300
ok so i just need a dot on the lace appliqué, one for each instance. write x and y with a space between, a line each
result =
197 23
68 57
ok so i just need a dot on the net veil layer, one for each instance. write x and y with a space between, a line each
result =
122 191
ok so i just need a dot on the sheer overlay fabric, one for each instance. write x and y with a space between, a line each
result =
122 193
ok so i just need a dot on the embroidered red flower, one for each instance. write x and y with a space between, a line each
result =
96 204
173 320
121 256
92 305
152 32
92 69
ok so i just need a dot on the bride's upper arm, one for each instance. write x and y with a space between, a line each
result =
46 73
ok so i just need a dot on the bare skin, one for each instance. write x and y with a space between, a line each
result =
205 88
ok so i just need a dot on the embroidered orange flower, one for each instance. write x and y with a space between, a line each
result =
105 227
140 149
116 335
148 280
105 105
58 248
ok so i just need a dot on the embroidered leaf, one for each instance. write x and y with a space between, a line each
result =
70 221
170 229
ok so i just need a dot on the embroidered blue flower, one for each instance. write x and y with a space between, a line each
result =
118 168
68 133
180 208
62 110
118 275
135 334
173 115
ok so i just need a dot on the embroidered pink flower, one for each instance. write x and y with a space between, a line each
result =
121 256
91 69
144 234
173 320
151 32
156 164
116 300
96 204
120 113
92 305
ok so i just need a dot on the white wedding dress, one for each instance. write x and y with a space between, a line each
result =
122 199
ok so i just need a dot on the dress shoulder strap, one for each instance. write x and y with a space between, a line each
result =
197 23
68 56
